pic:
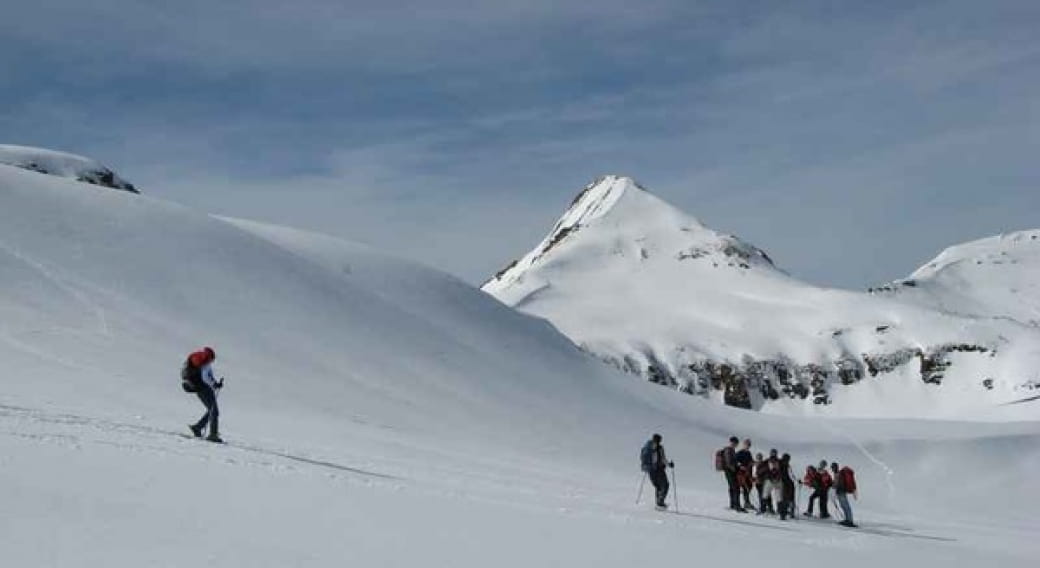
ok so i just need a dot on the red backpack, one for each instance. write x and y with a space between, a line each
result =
720 460
848 479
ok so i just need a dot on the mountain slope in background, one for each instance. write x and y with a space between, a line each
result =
992 277
62 164
382 413
653 291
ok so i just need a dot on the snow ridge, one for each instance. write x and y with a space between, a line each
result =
994 277
62 164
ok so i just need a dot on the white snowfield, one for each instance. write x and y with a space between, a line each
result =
380 413
648 288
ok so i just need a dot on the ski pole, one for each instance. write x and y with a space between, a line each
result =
642 481
675 490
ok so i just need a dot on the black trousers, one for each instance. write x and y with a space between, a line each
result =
787 504
820 494
659 478
734 489
212 415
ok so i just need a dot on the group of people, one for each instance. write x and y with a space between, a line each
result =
775 482
772 478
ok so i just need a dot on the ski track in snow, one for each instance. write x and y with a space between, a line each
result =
104 425
52 276
889 472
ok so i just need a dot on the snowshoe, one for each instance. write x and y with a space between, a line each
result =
197 432
215 439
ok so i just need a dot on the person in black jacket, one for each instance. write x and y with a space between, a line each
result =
744 463
787 479
729 468
654 462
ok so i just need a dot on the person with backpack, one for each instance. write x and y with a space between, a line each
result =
787 506
729 469
197 377
845 483
744 463
654 464
819 480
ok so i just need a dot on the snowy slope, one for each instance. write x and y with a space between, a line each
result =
62 164
381 413
652 290
992 277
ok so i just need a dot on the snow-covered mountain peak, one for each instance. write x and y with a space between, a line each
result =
623 203
62 164
614 221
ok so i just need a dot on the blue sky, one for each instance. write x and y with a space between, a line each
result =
851 140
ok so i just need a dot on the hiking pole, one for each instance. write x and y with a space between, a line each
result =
837 509
642 481
675 490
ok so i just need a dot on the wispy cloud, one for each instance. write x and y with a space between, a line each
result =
851 142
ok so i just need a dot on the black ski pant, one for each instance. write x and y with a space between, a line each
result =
659 478
786 508
212 415
820 494
734 489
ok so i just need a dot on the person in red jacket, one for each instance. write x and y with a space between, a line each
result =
819 481
810 480
826 482
197 376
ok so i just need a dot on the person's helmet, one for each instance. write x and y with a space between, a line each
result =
772 453
210 353
733 440
657 438
823 464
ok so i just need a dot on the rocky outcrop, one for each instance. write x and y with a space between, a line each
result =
751 382
62 164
